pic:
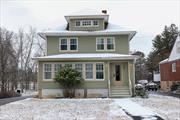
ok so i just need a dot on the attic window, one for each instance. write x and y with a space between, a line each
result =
87 23
78 23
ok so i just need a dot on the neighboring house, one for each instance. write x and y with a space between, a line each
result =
170 68
97 49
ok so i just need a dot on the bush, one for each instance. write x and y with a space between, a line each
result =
175 86
141 91
69 79
9 94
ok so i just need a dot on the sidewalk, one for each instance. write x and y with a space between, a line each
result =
135 110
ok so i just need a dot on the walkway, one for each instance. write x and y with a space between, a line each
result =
136 111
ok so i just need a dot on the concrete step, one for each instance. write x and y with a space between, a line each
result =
119 96
119 91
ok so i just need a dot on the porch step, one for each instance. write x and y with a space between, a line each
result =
120 91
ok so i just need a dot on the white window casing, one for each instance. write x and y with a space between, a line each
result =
173 67
51 68
69 44
87 23
106 43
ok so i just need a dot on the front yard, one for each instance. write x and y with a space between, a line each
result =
87 109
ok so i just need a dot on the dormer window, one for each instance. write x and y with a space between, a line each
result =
87 23
78 23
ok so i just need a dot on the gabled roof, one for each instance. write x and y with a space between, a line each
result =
175 53
111 29
89 56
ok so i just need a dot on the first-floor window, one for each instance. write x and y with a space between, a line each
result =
47 71
89 71
99 71
57 68
79 68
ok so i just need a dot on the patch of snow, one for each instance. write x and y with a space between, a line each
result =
89 55
165 106
133 108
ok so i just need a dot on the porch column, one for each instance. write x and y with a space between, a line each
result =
108 69
129 78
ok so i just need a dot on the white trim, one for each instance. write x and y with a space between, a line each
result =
68 44
44 79
105 43
73 66
173 67
92 23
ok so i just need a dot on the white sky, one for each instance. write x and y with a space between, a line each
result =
148 18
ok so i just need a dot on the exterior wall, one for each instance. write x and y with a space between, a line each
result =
167 76
87 44
72 26
92 88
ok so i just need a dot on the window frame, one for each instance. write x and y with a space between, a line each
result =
99 38
173 67
105 43
68 44
92 23
73 66
103 71
44 79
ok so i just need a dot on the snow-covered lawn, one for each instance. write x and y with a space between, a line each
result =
91 109
62 109
167 107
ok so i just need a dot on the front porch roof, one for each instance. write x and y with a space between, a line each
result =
89 56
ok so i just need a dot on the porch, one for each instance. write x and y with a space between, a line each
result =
120 78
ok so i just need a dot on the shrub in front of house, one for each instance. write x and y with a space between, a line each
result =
70 79
175 86
140 90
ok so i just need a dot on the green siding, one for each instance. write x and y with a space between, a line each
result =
87 44
87 84
72 26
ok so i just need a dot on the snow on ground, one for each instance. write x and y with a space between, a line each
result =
91 109
167 107
134 109
29 93
62 109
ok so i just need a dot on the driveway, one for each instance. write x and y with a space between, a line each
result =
13 99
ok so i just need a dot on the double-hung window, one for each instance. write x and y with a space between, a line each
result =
68 44
105 43
99 71
63 44
47 71
110 43
79 68
100 44
57 68
73 44
89 70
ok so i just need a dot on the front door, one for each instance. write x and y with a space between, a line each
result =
117 75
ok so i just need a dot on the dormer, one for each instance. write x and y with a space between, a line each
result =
87 21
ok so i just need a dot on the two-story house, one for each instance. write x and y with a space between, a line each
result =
94 47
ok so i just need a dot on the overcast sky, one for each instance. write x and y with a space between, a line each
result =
148 18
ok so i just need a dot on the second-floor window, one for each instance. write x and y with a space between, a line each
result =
68 44
87 23
105 43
